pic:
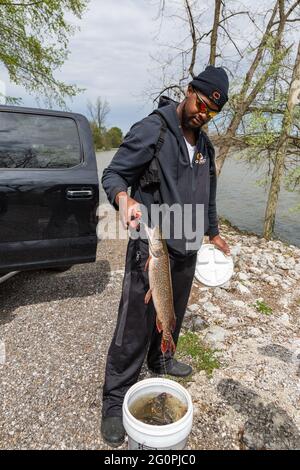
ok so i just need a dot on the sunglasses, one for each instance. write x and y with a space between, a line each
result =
204 108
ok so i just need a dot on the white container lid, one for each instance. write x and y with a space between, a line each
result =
213 268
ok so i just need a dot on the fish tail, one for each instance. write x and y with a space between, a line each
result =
167 344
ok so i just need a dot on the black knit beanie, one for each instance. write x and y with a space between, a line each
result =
214 84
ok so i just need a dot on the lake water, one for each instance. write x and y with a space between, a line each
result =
241 201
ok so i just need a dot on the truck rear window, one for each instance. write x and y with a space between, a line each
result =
37 141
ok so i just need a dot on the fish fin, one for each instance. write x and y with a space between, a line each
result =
148 296
159 325
147 263
164 346
167 344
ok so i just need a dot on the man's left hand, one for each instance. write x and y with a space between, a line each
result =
221 244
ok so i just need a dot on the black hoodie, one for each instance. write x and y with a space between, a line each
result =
181 181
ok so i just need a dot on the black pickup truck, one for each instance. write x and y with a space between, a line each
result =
49 190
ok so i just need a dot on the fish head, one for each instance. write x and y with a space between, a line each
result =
159 410
158 404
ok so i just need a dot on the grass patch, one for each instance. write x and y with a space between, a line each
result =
262 307
202 357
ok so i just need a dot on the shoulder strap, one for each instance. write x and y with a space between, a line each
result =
150 180
161 137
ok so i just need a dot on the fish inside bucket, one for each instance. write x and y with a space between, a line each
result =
158 409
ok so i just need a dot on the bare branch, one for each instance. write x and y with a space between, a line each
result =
167 88
230 38
99 111
214 33
259 53
292 8
193 35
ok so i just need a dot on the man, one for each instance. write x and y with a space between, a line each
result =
187 175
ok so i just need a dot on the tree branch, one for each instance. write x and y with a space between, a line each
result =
259 53
214 34
167 88
230 38
38 2
194 40
291 9
264 109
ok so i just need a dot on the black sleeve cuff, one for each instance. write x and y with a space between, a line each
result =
113 194
212 232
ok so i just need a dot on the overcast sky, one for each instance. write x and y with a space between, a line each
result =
111 54
110 57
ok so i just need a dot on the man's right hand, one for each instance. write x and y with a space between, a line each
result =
129 209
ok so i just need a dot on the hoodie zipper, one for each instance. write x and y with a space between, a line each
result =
187 153
196 151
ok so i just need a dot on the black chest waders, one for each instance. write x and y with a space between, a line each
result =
136 335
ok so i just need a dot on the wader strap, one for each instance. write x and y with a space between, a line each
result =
161 137
151 178
156 194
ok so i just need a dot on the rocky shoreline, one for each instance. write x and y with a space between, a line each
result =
253 322
252 325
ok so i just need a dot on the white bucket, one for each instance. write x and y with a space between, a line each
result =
148 436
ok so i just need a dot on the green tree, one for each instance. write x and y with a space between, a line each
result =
114 137
34 38
97 136
282 146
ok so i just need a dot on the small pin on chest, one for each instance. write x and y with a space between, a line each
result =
200 159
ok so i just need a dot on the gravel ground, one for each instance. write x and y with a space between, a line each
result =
55 330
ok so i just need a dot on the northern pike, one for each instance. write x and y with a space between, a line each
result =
159 410
160 287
